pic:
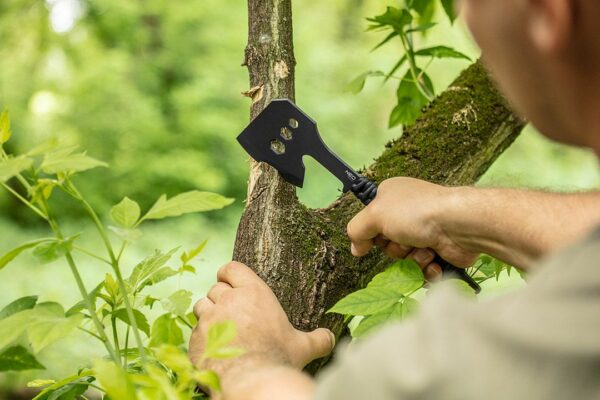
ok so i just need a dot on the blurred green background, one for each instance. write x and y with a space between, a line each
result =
153 88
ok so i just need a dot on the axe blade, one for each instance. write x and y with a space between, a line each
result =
280 136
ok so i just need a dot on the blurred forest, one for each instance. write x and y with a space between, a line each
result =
154 89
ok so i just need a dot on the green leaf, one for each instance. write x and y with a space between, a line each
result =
165 331
13 166
191 318
36 383
64 386
174 358
400 62
48 324
22 304
144 272
409 306
357 84
51 251
404 276
63 161
385 40
370 300
186 268
224 353
17 358
422 28
410 100
420 6
43 147
129 235
112 288
220 334
149 301
463 288
397 312
81 305
126 213
42 190
178 303
370 323
140 319
490 266
159 276
393 17
187 257
5 131
189 202
448 6
11 255
442 52
71 391
44 324
209 379
114 380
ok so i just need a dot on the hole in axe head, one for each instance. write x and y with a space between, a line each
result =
293 123
277 147
286 133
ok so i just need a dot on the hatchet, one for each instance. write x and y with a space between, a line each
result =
282 134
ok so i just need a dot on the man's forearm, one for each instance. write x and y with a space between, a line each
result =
518 226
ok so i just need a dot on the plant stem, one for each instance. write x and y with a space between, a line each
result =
410 55
89 253
115 265
90 333
185 322
121 250
84 293
126 348
24 201
113 322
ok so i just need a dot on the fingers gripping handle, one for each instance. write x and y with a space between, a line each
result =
450 271
365 191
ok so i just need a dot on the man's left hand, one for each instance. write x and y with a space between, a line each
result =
263 328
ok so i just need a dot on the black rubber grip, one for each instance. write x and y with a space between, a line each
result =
365 191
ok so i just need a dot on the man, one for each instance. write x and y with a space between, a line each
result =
539 343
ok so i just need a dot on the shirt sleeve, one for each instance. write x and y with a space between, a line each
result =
542 342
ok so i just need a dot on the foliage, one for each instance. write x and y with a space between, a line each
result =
390 295
155 365
415 89
136 83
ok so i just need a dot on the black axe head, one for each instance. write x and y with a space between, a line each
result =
280 136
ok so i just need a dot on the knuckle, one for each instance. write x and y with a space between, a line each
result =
236 265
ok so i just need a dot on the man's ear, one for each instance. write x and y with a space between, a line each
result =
551 24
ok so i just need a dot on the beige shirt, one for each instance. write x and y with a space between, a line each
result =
542 342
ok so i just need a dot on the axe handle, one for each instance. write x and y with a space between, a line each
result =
365 191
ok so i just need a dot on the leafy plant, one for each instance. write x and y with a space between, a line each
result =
405 23
389 296
149 361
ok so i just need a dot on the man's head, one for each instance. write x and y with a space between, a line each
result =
545 55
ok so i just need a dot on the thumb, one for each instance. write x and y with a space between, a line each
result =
362 229
319 343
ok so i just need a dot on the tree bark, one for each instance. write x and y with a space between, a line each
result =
303 254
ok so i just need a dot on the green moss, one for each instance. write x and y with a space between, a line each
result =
455 126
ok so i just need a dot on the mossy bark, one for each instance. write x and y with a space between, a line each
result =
303 254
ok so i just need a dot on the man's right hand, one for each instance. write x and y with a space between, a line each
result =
406 220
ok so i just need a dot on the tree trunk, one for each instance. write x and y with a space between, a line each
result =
303 254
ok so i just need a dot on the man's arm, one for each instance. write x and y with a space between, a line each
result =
516 226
